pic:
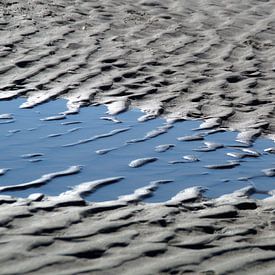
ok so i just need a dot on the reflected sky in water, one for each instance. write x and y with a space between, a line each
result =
28 133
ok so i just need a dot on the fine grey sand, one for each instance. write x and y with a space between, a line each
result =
206 59
233 236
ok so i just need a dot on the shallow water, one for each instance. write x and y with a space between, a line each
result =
33 144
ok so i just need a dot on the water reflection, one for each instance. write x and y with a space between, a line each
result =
34 142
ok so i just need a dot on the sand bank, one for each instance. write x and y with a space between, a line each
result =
188 235
206 59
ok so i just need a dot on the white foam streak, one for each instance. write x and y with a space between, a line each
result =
44 179
111 133
143 192
89 187
188 194
140 162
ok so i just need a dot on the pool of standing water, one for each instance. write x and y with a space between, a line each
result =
38 142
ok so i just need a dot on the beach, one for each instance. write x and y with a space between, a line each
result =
179 60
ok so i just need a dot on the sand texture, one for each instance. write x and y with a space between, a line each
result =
113 238
207 59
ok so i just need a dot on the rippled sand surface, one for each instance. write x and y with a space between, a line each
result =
210 60
172 57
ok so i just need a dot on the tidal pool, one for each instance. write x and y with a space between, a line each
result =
43 151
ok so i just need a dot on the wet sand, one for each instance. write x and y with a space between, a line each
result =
206 59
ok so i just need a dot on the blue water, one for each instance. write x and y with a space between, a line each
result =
29 134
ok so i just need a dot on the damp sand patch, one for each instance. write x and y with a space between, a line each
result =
46 151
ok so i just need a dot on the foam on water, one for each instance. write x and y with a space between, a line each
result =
45 151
